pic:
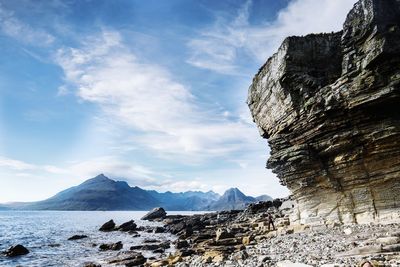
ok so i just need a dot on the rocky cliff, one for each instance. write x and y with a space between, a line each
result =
329 105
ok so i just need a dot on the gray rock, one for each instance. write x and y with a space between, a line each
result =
108 226
77 237
155 214
127 226
17 250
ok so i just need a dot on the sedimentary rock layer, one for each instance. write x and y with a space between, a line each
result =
329 105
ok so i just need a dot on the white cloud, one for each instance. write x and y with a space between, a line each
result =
144 98
15 28
217 48
115 168
17 165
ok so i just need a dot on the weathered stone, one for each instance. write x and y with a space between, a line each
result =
17 250
127 226
159 229
222 234
108 226
155 214
181 244
77 237
111 246
389 240
91 264
128 259
329 106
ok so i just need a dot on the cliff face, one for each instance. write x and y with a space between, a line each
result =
329 105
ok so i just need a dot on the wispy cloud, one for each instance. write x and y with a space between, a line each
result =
21 166
115 168
15 28
145 99
217 47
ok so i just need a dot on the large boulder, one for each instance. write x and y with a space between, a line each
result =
108 226
128 226
17 250
155 214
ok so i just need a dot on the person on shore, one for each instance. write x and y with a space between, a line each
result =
270 222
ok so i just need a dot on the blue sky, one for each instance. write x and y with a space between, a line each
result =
151 92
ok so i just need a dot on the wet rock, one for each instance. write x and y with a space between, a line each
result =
181 244
17 250
151 241
91 264
145 247
155 214
77 237
127 226
159 229
108 226
111 246
128 259
165 245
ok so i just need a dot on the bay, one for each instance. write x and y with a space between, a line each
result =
46 233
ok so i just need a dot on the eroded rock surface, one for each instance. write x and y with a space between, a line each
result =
329 105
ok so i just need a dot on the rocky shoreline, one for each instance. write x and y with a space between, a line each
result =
242 238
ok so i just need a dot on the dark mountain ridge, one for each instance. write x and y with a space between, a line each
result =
102 193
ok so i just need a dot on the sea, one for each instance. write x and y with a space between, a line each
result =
46 233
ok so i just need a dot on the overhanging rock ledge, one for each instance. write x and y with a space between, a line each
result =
329 105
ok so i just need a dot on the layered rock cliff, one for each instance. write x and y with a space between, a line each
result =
329 105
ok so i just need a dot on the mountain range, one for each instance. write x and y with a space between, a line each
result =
102 193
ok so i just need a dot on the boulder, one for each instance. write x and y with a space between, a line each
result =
128 259
17 250
91 264
77 237
145 247
111 246
155 214
222 234
127 226
108 226
181 244
159 229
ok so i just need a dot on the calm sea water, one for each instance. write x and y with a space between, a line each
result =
45 234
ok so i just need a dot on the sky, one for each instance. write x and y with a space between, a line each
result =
150 92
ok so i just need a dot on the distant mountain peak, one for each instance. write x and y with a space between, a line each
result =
234 191
103 193
101 176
